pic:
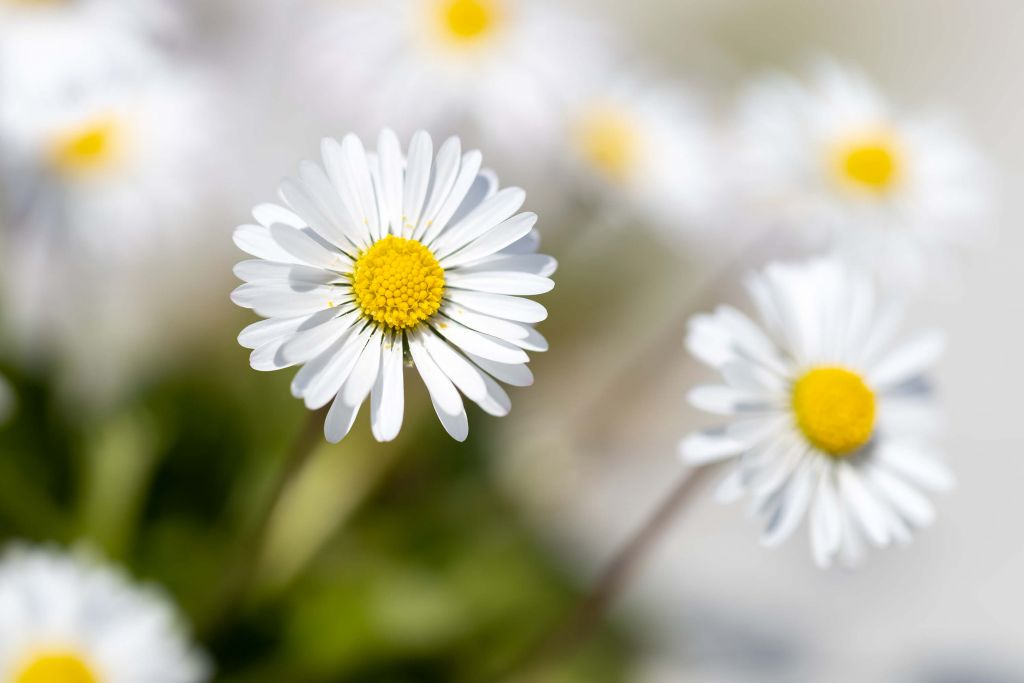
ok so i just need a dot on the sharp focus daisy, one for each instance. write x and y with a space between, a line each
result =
495 69
835 159
648 146
829 420
380 257
66 619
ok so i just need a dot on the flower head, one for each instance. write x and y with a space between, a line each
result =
68 619
896 192
828 423
383 257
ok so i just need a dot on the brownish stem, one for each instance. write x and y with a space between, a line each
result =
584 619
239 574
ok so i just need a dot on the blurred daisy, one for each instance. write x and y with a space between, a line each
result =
648 147
107 165
829 423
835 159
496 69
71 620
385 256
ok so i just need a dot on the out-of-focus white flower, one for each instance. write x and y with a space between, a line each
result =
493 70
69 619
836 160
47 20
828 422
385 255
646 146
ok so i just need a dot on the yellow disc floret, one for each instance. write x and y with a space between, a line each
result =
89 146
834 409
608 140
56 668
870 163
467 20
398 283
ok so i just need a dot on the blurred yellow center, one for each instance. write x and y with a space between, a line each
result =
834 409
398 282
87 147
57 668
609 141
871 164
467 20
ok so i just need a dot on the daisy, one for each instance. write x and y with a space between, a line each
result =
495 69
833 158
829 422
69 619
647 146
385 257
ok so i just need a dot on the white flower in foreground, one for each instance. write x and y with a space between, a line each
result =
495 69
894 191
647 146
828 422
69 620
383 255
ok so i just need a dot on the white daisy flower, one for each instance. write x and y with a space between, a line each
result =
829 422
493 69
833 158
384 255
107 164
69 619
647 146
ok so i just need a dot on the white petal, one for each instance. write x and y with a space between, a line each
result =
908 361
257 270
497 282
496 327
310 209
256 241
364 374
537 264
340 419
265 331
916 464
446 169
481 220
389 151
707 446
268 214
387 400
283 300
479 343
417 178
463 374
518 374
792 504
826 524
307 250
863 505
725 400
357 226
494 240
310 343
907 500
319 380
443 395
527 245
468 171
499 305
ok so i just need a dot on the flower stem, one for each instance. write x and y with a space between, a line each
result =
584 619
242 567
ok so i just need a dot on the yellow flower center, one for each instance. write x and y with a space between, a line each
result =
398 282
464 21
869 164
88 147
609 141
834 409
58 667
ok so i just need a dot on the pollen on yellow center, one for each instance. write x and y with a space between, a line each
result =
398 283
58 667
467 20
834 409
608 140
87 147
871 163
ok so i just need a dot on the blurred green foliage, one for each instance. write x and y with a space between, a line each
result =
425 573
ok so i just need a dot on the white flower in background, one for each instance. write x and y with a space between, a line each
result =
648 147
68 619
383 255
42 19
495 69
828 422
107 165
833 158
